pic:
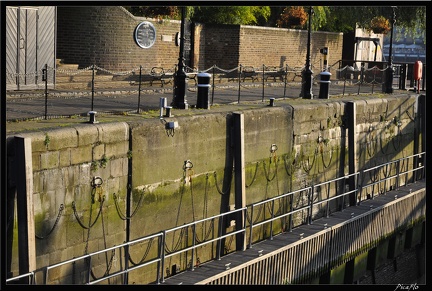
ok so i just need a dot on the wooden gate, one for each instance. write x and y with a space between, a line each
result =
30 45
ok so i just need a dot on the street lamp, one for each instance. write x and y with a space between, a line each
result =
180 79
306 91
388 88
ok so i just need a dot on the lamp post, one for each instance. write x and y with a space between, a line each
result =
388 88
180 81
306 90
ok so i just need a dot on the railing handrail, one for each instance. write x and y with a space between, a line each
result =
245 227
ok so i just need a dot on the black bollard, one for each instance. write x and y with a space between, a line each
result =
92 117
324 85
203 90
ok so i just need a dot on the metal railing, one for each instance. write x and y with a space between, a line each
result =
392 175
227 85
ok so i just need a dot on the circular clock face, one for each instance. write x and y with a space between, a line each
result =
145 34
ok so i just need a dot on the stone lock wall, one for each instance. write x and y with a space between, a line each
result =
104 173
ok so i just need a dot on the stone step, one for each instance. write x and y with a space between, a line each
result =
72 67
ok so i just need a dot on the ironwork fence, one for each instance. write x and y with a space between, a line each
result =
190 236
96 86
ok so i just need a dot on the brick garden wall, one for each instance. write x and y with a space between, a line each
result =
286 47
105 36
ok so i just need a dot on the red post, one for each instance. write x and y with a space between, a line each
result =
418 72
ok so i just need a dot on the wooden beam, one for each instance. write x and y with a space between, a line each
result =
26 230
239 177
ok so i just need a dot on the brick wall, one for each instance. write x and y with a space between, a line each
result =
105 36
286 46
221 46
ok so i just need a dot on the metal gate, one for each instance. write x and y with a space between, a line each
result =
30 45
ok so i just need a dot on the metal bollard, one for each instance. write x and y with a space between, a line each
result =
272 100
324 85
203 90
92 117
168 111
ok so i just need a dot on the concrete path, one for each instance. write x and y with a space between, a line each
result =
25 105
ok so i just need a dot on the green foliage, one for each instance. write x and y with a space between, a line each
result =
230 14
171 12
410 20
103 162
293 17
47 140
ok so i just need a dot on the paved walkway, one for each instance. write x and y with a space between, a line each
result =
25 105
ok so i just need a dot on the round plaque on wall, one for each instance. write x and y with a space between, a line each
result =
145 34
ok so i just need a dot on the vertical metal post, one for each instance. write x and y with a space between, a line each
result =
139 90
193 247
361 77
251 226
239 77
390 71
310 203
45 78
213 77
285 79
180 78
263 68
420 135
352 147
92 87
306 92
161 262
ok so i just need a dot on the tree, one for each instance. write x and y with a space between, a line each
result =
171 12
292 17
410 20
230 14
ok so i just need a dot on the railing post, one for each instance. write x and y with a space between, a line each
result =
361 77
290 220
285 79
271 223
126 265
219 242
360 180
351 116
402 76
213 85
161 263
89 268
397 174
263 83
239 80
251 226
92 86
310 202
139 90
193 246
45 78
